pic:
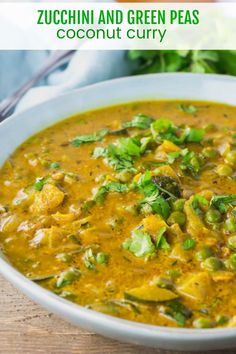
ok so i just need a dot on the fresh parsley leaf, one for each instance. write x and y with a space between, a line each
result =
140 121
140 244
222 202
90 138
188 244
187 108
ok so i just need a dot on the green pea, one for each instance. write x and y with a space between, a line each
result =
232 242
68 277
230 224
178 205
204 253
209 152
203 322
224 170
231 157
177 217
102 258
230 263
213 216
212 264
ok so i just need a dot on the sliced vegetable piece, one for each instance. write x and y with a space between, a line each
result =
197 286
150 294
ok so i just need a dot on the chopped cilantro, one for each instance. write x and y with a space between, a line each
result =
178 311
151 193
102 258
89 259
140 244
140 121
53 165
161 241
90 138
99 152
39 183
188 244
191 163
109 187
199 200
187 108
222 202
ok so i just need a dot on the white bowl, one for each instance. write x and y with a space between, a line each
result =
19 127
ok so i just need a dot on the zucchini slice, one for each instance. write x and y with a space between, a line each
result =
150 294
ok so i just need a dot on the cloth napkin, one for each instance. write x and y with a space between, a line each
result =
85 68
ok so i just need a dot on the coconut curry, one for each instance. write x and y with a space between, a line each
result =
131 211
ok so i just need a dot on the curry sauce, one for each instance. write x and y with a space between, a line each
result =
130 210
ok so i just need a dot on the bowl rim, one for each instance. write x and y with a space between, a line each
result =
76 312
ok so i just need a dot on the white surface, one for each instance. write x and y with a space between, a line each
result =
160 86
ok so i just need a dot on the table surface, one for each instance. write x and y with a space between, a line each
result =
28 328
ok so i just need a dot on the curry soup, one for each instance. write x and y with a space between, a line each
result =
130 210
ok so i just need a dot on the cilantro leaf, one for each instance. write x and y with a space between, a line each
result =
39 183
109 187
90 138
191 163
53 165
222 202
162 125
140 121
161 241
151 193
187 108
99 152
199 200
178 311
188 244
140 244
